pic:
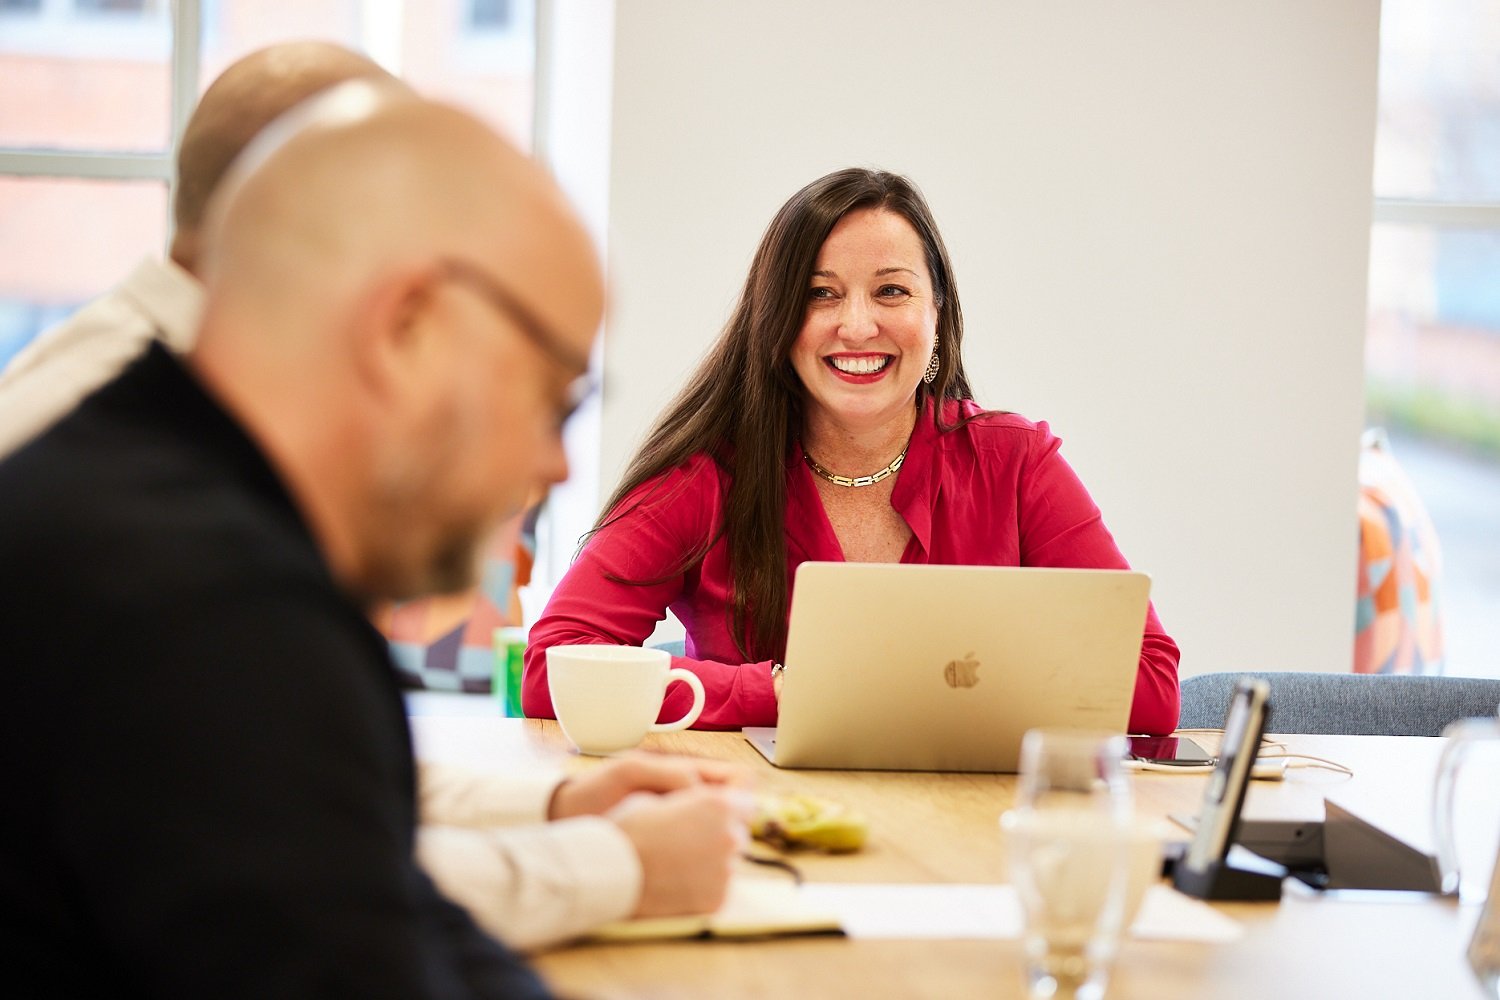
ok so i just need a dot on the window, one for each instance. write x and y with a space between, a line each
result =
85 121
96 90
491 15
104 30
125 7
1433 347
98 227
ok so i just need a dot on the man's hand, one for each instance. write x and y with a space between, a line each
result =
688 842
598 790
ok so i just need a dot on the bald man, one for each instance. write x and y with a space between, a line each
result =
210 782
159 300
532 886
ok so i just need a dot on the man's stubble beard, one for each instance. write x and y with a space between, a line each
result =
408 509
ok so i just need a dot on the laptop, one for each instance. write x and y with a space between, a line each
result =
942 668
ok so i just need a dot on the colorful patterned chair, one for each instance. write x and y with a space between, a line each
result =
1398 627
446 643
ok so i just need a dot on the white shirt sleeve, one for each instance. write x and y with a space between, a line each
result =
533 886
449 795
484 840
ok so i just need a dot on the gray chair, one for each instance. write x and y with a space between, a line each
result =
1347 704
677 648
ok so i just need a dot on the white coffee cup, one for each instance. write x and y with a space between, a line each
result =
607 698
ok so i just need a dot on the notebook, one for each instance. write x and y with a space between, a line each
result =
943 668
754 908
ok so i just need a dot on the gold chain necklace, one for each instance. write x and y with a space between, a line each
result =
870 480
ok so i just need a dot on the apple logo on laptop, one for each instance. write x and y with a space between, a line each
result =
962 673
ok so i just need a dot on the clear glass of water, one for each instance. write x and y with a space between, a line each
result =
1484 947
1068 844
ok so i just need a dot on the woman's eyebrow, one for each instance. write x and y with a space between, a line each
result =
882 272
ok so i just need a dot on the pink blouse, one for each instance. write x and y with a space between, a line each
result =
994 492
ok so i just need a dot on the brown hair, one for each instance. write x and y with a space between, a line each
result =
743 405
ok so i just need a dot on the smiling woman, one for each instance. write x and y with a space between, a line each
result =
831 421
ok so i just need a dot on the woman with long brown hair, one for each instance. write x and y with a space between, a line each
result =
832 420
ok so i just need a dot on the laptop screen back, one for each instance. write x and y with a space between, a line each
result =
924 667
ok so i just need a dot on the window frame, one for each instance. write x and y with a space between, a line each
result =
381 38
1438 214
185 60
116 165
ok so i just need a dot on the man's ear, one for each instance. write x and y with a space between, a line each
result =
394 334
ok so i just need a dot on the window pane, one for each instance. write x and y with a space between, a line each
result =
66 241
78 78
115 6
495 15
475 53
1439 128
1433 377
235 28
478 54
1435 317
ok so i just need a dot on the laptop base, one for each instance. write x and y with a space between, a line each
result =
763 738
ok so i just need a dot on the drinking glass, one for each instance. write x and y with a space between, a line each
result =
1465 810
1068 845
1484 947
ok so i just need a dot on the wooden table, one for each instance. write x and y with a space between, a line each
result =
942 828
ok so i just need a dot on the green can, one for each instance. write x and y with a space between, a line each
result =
510 655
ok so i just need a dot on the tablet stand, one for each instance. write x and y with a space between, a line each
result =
1249 878
1344 851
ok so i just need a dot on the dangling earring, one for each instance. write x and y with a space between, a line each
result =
930 375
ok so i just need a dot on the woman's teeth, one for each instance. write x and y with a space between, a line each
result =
860 366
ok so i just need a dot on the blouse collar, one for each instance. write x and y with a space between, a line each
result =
918 485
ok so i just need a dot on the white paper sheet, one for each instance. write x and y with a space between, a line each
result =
1168 915
993 912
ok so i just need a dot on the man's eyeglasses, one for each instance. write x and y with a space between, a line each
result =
550 344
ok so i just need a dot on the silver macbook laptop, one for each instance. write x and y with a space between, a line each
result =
943 668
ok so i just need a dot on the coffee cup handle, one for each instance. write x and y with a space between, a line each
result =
692 681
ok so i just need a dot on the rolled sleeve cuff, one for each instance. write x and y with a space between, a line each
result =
456 796
539 885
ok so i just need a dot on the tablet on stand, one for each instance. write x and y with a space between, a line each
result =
1206 870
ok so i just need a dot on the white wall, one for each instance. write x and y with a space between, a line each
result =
1159 216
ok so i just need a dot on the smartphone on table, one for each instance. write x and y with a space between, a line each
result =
1173 750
